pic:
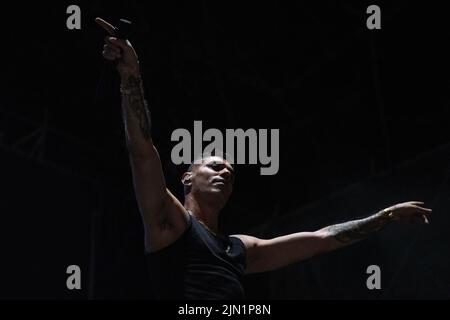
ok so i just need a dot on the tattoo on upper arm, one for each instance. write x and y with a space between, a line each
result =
134 93
359 229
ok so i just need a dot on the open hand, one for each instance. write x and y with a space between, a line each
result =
410 212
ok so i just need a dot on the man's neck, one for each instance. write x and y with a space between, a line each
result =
205 213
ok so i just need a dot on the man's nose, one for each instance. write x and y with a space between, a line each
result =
226 174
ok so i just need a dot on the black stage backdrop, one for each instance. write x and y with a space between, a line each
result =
363 118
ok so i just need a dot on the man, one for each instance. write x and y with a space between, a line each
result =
189 258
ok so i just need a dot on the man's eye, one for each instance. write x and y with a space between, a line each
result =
216 166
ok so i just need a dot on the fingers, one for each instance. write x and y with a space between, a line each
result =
115 48
414 204
422 215
124 45
111 55
413 220
105 25
422 210
419 203
420 219
411 212
112 48
111 51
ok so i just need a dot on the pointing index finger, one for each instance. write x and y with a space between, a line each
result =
105 25
422 209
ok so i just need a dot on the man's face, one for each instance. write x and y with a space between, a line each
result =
213 177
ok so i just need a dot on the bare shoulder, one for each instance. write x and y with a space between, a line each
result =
249 241
254 250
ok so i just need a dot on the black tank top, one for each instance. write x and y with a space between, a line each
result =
198 266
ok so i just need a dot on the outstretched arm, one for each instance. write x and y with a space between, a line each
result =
162 214
266 255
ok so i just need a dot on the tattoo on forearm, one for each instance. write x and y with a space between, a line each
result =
359 229
134 93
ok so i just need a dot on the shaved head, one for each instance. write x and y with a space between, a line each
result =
210 166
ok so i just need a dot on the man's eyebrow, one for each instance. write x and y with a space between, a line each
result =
222 163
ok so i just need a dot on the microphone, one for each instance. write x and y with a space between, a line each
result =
123 29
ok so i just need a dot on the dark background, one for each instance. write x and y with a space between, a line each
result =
363 118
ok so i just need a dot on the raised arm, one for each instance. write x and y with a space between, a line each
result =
163 215
267 255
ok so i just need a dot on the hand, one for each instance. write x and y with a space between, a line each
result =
410 212
120 51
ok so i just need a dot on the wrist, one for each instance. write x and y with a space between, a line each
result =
130 70
132 84
125 76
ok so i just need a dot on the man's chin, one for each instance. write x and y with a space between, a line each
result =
219 193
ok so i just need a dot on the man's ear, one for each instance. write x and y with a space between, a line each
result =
187 179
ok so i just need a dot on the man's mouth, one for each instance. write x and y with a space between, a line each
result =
219 181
